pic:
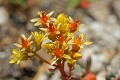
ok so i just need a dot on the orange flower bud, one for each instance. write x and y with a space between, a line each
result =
75 48
74 26
51 29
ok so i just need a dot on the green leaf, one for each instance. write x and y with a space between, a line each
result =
23 3
73 3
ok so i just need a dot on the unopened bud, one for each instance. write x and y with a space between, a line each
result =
77 56
75 48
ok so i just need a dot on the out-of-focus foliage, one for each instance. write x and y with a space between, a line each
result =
73 3
22 3
84 4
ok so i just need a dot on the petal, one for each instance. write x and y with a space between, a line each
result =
70 42
43 29
66 56
30 37
35 20
12 61
37 23
49 46
81 25
71 61
77 56
49 14
81 36
30 43
18 62
23 36
54 60
23 49
39 13
57 32
70 18
18 45
65 46
52 19
88 42
81 46
58 26
14 51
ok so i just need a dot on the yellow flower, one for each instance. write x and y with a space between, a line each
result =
39 37
18 56
76 56
63 23
71 59
50 47
25 43
71 63
44 18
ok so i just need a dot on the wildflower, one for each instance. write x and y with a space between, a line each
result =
63 23
44 18
74 26
25 43
71 58
58 52
38 37
18 56
58 55
79 42
64 38
61 42
51 31
50 47
76 56
61 38
71 63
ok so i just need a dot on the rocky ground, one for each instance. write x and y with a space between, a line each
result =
102 26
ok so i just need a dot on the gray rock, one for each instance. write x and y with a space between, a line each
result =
56 75
116 7
99 10
3 16
115 64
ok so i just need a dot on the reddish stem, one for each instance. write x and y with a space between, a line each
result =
62 71
37 55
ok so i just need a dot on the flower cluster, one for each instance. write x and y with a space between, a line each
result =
63 43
